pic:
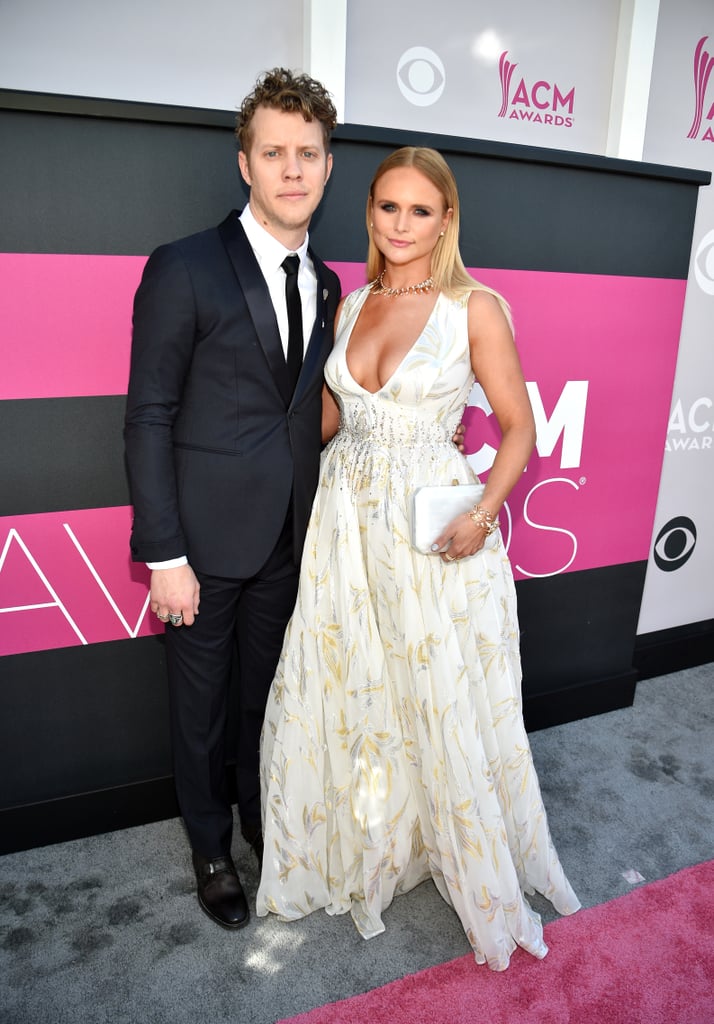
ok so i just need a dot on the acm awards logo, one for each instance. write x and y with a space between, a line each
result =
703 66
541 102
691 426
421 78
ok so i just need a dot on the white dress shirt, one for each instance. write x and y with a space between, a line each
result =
270 253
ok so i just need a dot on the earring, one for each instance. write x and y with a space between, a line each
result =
441 234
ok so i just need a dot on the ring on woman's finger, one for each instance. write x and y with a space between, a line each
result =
162 618
449 558
175 620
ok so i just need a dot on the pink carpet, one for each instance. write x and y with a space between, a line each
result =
644 958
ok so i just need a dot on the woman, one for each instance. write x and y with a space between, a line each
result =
393 747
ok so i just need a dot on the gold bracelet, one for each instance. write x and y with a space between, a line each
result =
481 516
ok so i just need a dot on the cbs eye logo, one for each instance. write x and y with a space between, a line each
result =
675 543
421 76
704 263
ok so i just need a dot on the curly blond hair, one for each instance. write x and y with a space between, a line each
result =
285 90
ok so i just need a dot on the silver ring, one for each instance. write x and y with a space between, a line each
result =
162 618
176 620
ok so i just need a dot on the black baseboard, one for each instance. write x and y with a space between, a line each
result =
86 814
672 650
107 810
574 702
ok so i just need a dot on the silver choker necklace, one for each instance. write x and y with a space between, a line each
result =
380 288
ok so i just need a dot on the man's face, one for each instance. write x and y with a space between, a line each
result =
287 169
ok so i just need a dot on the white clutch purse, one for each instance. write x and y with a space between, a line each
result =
434 507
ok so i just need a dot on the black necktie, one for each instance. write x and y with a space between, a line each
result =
292 295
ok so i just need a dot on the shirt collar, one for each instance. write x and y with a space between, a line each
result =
268 250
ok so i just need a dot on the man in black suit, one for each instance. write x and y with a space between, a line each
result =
223 442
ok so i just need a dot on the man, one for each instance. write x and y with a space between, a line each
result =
223 442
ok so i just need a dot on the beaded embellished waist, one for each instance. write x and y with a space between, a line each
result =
395 432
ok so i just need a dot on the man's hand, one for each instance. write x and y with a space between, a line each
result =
458 437
175 595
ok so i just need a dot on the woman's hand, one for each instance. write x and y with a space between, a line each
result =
461 538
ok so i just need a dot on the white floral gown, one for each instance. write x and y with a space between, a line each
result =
393 747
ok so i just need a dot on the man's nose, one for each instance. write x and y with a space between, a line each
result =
293 167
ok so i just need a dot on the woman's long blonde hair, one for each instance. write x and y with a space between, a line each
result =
447 268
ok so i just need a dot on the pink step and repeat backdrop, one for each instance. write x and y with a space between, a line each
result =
598 354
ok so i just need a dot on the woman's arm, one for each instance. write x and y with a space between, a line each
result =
495 362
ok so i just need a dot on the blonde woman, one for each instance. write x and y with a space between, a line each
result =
394 748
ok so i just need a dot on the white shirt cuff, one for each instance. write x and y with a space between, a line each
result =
170 563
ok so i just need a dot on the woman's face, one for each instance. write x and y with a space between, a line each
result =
408 216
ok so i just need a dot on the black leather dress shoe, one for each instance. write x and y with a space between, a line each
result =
220 893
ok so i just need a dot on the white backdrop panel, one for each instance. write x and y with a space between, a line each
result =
678 587
180 52
537 74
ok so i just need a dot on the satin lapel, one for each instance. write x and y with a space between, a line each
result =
257 298
314 348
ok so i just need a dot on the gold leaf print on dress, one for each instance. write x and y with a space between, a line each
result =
424 650
313 818
330 644
489 904
463 816
372 776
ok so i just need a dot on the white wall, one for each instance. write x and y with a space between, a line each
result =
678 587
441 73
197 53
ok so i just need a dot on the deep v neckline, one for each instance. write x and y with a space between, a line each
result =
401 362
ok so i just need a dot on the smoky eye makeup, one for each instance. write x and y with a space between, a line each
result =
389 207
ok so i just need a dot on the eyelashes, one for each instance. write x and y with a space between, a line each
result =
418 210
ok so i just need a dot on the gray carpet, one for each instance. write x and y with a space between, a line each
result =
108 928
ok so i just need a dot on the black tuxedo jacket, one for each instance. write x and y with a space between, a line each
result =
216 446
